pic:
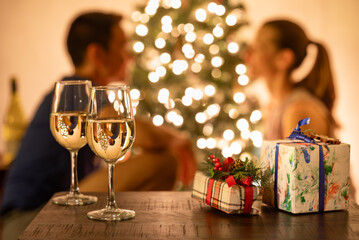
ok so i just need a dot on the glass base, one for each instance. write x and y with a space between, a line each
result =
113 214
74 200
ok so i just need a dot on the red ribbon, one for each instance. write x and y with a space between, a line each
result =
230 181
248 200
209 191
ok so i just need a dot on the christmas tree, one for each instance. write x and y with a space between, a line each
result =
190 73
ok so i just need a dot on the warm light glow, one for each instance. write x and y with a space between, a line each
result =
201 15
166 20
214 49
217 61
157 120
255 116
233 47
188 27
189 91
218 31
190 37
197 94
199 58
216 73
169 104
176 4
161 71
209 90
245 134
207 129
212 7
241 69
135 94
213 109
201 117
233 113
160 43
257 138
228 134
153 77
165 58
111 97
179 66
163 95
171 116
166 28
141 30
220 10
211 143
196 67
242 124
144 18
186 100
226 152
201 143
136 16
243 80
188 51
239 97
231 20
138 46
236 147
178 121
208 38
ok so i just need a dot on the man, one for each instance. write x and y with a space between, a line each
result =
97 46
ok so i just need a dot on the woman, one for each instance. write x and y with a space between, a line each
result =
281 48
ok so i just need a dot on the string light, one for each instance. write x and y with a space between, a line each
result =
166 20
141 30
135 94
196 67
178 121
207 129
257 138
213 109
233 48
233 113
144 18
200 117
211 143
165 58
201 15
220 10
138 46
239 97
217 61
176 4
242 124
153 77
241 69
243 80
218 31
226 152
199 58
136 16
209 90
186 100
161 71
214 49
236 147
166 28
231 20
188 27
197 94
170 104
256 115
201 143
179 66
228 134
157 120
245 134
160 43
208 38
216 73
212 7
163 95
190 37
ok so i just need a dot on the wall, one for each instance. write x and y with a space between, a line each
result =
32 47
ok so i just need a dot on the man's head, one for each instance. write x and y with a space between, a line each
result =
97 46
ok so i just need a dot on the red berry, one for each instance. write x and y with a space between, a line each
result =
216 160
218 164
220 169
215 168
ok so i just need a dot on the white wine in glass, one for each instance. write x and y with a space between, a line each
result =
68 116
110 132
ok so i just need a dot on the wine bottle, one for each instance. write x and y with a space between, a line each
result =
14 125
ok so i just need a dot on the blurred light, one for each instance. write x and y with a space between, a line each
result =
190 37
111 97
178 121
214 49
209 90
144 18
141 30
226 152
243 80
199 58
239 97
228 134
201 143
136 16
135 94
236 147
153 77
233 113
231 20
233 47
241 69
196 67
157 120
213 109
212 7
245 155
163 95
169 104
165 58
220 10
257 138
208 38
161 71
201 117
151 9
188 27
138 46
116 106
176 4
189 91
160 43
208 129
186 100
198 94
211 143
255 116
245 134
171 116
166 20
188 51
217 61
242 124
216 73
179 66
218 31
166 28
201 15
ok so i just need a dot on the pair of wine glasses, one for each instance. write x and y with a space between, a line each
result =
102 117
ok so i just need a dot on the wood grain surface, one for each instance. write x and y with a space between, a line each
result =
175 215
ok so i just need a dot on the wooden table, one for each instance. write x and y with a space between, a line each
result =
175 215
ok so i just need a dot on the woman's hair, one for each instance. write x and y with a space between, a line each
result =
87 28
320 80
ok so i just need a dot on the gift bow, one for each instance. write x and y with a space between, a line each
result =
297 133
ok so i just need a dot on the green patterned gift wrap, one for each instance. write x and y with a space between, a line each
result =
298 175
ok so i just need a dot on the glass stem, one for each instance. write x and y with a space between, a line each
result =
111 203
74 188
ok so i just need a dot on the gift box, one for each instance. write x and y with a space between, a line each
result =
236 199
306 177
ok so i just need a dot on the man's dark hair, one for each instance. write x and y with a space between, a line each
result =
87 28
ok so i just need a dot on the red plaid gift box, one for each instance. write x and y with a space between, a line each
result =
231 200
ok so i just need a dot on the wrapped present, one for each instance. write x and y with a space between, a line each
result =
307 175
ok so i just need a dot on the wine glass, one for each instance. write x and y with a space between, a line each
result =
110 132
69 111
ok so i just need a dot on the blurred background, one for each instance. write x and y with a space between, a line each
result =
32 47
